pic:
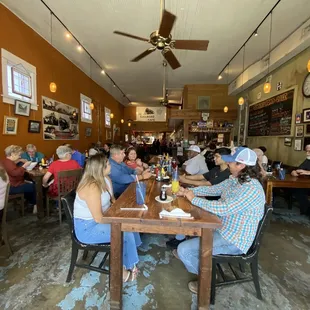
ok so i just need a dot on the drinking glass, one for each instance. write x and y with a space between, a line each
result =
140 193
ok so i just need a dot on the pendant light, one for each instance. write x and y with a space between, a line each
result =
267 85
226 109
91 105
111 115
122 121
308 65
53 86
241 99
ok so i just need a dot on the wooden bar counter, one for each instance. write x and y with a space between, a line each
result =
149 221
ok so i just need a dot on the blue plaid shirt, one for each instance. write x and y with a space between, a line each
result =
240 208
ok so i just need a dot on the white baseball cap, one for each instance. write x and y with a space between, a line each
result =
194 148
241 155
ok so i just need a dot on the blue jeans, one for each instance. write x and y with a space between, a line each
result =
90 232
28 189
188 251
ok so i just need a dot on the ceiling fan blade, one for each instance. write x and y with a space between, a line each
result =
195 45
144 54
130 36
171 59
166 24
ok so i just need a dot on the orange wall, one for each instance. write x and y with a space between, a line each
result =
20 40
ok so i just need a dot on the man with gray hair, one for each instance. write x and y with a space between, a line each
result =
121 175
31 154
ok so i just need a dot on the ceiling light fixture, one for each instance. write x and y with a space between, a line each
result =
255 33
225 109
68 35
219 77
102 71
114 85
267 85
53 86
79 48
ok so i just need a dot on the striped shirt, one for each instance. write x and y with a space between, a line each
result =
240 208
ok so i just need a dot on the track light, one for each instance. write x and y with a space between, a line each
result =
68 35
102 71
255 33
79 48
114 85
219 77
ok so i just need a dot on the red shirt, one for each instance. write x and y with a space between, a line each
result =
15 173
57 166
131 164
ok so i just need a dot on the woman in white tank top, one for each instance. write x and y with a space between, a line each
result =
94 196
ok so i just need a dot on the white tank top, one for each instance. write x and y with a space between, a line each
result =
81 210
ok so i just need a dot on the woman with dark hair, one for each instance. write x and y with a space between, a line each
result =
215 176
133 162
209 156
241 207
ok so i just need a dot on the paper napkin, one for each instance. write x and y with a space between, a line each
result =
176 213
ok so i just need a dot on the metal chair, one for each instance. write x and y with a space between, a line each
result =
4 228
251 258
68 202
67 181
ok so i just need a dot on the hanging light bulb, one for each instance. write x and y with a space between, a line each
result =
122 121
91 106
226 109
219 77
129 124
308 65
53 87
267 88
241 101
111 115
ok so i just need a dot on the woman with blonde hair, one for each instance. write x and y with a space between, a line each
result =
94 196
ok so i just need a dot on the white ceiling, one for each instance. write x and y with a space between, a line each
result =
226 23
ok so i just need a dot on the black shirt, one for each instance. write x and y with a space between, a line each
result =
216 176
305 165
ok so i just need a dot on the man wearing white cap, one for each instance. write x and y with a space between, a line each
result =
196 163
240 208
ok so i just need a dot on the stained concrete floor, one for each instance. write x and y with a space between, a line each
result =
34 276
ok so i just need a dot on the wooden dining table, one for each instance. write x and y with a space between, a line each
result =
37 175
201 225
288 182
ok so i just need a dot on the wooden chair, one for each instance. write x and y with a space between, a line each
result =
67 181
67 203
22 201
251 258
4 229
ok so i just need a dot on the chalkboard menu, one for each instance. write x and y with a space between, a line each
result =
272 117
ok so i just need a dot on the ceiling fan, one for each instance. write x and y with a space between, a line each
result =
162 40
165 101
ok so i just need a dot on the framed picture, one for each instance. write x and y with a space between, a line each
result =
109 135
306 115
299 131
288 141
10 125
34 126
86 106
298 118
22 108
298 145
88 131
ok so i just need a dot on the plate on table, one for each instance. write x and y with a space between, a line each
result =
168 200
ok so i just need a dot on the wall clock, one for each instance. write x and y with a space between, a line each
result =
306 86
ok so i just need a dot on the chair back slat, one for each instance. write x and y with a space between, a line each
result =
68 180
67 203
262 226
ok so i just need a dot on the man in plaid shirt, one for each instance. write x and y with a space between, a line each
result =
240 208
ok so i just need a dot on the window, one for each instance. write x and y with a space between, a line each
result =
107 115
18 80
86 112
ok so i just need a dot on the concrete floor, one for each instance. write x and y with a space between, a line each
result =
34 277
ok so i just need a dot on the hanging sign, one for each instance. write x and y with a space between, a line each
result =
151 114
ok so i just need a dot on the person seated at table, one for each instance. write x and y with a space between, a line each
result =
196 163
77 156
4 180
260 155
301 194
215 176
16 174
241 207
133 162
94 196
93 150
121 175
208 153
31 154
63 163
264 159
106 150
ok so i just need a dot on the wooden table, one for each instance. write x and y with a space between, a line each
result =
155 160
148 221
37 175
288 182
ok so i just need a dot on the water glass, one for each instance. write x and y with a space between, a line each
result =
282 173
140 193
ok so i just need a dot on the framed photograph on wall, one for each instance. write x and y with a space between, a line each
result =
10 125
298 118
307 131
34 126
306 115
298 145
22 108
299 131
88 131
288 141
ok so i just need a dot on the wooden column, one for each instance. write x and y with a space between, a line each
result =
185 129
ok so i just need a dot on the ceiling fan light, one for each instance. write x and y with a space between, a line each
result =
53 87
225 109
267 88
241 101
308 65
